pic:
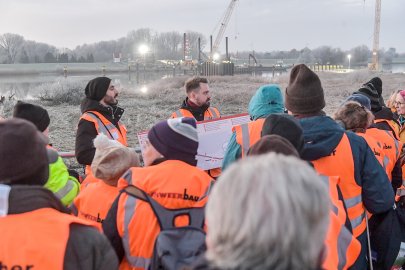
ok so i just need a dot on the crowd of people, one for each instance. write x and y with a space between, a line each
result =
297 189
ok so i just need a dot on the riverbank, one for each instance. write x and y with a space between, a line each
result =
156 101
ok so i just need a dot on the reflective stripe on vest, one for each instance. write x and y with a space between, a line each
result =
342 247
248 134
129 213
213 113
65 190
390 146
106 127
340 163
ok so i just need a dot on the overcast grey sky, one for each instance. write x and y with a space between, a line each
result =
262 25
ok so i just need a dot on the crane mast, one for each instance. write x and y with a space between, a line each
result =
224 24
376 42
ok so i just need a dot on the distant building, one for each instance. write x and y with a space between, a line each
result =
117 57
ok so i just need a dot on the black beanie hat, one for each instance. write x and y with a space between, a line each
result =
23 154
304 93
33 113
285 126
370 92
97 88
376 83
176 139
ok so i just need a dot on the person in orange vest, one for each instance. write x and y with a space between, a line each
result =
400 107
100 114
110 161
355 115
267 100
384 118
170 177
336 152
197 103
267 212
37 231
62 181
341 247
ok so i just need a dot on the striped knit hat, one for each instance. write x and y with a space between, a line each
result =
176 139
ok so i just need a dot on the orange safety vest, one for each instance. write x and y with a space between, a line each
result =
35 239
248 134
94 202
342 248
395 128
340 163
389 145
107 128
173 184
375 146
209 114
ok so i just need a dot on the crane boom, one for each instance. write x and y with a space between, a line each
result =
224 24
376 42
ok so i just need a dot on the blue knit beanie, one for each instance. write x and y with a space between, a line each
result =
362 99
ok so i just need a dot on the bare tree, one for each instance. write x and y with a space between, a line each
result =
11 44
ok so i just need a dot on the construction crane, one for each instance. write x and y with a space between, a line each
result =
376 43
224 23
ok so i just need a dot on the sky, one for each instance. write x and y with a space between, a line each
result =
260 25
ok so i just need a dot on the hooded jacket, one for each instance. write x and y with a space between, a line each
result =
322 135
267 100
86 131
86 248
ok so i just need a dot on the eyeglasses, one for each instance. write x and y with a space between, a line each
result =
397 103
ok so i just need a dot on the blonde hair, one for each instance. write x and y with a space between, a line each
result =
354 116
267 212
391 100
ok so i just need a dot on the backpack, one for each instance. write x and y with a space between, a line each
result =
175 247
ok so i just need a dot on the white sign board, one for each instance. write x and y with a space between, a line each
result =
213 138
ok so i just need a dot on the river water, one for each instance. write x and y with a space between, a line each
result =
32 86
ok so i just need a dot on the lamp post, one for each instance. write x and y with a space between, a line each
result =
349 56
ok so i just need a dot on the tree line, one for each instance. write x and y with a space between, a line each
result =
167 45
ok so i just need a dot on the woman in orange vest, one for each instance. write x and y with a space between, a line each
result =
267 100
170 177
36 230
400 107
111 160
355 115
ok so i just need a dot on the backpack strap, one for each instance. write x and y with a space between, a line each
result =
165 216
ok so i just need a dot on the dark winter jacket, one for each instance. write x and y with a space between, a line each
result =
86 131
197 112
86 247
322 134
385 114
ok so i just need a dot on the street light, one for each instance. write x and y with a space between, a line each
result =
216 56
143 49
349 56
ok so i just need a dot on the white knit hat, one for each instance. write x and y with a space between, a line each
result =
112 159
